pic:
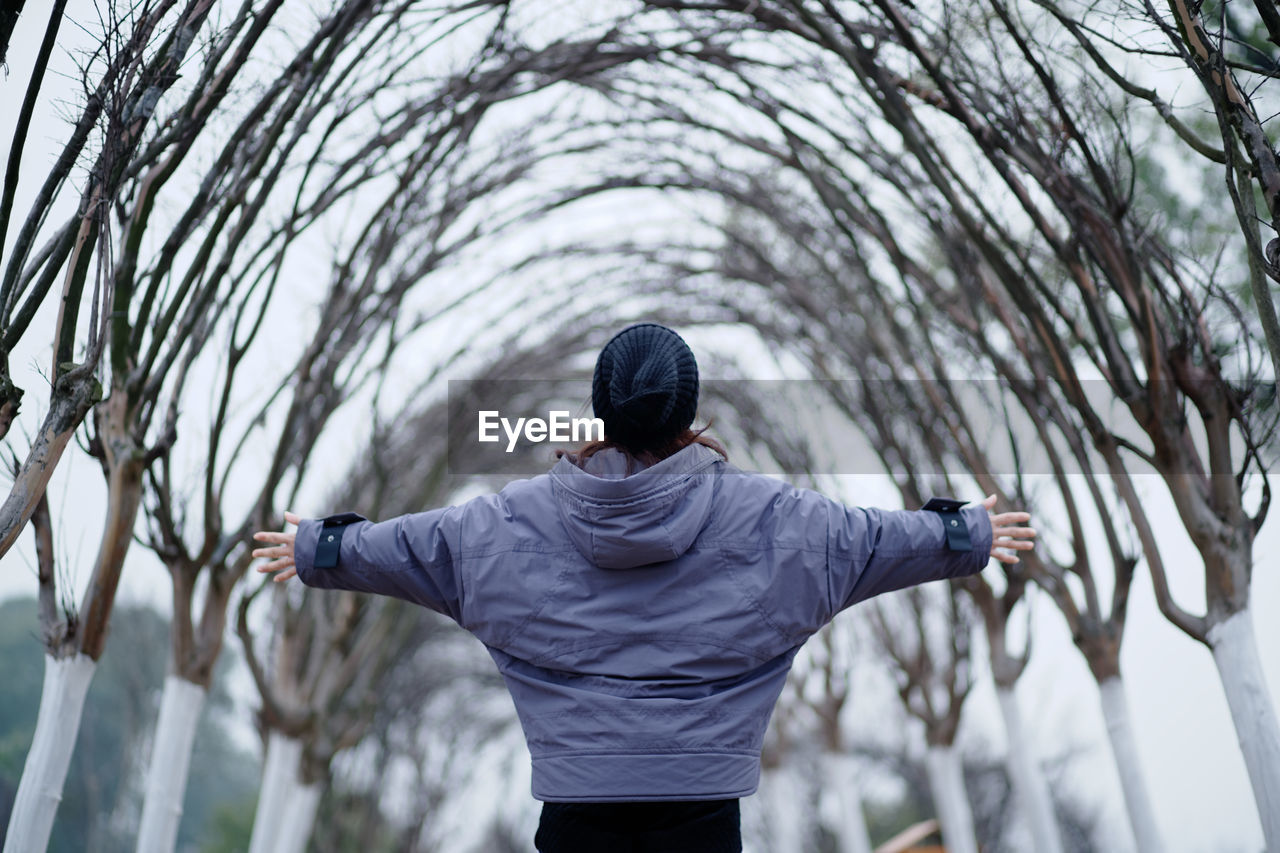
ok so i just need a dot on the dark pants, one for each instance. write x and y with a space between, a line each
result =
708 826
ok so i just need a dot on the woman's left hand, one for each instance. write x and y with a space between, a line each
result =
281 553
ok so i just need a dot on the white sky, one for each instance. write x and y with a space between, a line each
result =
1192 761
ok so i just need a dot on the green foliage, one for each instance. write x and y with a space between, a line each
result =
229 826
886 819
1247 39
222 791
353 821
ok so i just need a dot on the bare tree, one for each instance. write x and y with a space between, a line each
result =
10 395
928 642
135 68
1022 158
776 242
452 191
333 653
1177 368
142 53
924 425
331 657
830 674
1232 61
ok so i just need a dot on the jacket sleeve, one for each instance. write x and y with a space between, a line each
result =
411 557
870 551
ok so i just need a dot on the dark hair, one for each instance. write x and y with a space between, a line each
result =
646 455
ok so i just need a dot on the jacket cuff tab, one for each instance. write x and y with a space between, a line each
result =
955 527
331 530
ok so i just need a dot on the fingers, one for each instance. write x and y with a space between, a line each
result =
1005 519
1019 532
1007 537
277 565
1007 534
274 536
1004 547
279 535
280 554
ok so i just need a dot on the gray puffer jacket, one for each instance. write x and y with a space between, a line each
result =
644 624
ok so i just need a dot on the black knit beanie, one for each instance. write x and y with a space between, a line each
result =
645 387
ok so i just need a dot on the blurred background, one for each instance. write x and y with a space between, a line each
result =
1023 247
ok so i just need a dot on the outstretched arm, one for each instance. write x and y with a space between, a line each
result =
876 551
409 557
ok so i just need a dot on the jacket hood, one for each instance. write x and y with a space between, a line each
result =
620 520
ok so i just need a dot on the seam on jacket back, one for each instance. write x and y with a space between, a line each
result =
735 576
536 609
720 544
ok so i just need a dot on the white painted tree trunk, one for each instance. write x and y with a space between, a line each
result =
1115 710
1029 786
279 778
946 781
298 819
180 707
1235 651
66 681
786 811
842 804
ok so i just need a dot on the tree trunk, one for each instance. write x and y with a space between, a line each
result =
73 395
296 824
180 708
8 20
843 801
124 495
279 777
786 811
1027 777
946 781
1115 709
1235 651
66 681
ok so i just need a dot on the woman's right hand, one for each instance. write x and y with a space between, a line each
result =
1008 532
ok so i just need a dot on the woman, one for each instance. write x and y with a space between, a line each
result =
644 601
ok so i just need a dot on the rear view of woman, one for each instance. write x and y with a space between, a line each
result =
644 601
